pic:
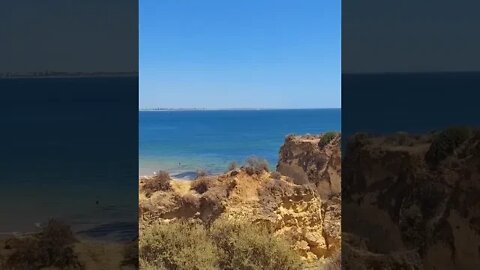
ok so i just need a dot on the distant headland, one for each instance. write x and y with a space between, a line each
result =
60 74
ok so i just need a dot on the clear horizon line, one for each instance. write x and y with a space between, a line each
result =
404 72
233 109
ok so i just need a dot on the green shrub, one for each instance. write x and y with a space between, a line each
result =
327 138
444 144
52 247
247 246
256 165
227 245
159 182
179 246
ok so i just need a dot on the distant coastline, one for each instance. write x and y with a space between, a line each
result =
57 75
229 109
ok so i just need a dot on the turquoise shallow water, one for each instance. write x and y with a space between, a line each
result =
184 141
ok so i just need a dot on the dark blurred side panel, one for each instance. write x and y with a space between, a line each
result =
411 148
69 134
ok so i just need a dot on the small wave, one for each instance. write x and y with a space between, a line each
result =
118 231
189 175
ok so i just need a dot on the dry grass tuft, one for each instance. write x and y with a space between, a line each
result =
202 185
159 182
190 200
255 165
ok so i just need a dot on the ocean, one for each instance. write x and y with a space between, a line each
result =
182 142
72 149
416 103
69 152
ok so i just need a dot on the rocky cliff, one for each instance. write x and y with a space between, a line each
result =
412 202
282 203
313 160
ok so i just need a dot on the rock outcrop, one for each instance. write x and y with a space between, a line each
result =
287 209
313 160
282 203
412 202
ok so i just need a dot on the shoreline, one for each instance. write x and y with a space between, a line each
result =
106 232
174 175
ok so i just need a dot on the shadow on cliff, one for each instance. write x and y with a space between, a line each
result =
412 201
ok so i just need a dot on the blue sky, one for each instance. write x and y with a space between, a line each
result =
240 54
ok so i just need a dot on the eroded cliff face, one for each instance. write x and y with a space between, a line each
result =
313 160
412 202
293 211
290 209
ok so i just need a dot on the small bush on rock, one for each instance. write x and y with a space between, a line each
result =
201 185
256 165
327 138
179 246
444 144
52 247
159 182
247 246
227 245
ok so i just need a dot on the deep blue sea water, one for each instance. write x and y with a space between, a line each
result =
67 143
409 102
185 141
